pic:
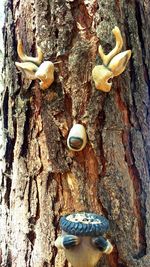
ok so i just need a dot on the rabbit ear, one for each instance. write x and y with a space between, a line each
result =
118 64
28 68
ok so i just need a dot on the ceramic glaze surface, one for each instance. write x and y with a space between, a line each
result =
45 73
82 238
83 255
77 138
84 224
32 68
113 64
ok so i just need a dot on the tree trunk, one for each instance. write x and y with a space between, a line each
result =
42 179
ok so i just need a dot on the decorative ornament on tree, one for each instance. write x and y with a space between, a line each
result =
77 138
113 64
83 238
33 68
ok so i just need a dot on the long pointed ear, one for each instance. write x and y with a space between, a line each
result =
27 68
37 60
119 43
118 64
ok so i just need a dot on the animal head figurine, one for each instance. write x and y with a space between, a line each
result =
33 69
83 238
77 138
113 64
45 73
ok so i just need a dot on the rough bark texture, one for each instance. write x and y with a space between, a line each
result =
42 180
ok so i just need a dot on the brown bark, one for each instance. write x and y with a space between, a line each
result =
43 179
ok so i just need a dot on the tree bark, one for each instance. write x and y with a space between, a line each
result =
42 179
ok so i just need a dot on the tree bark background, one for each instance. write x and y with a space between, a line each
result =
42 179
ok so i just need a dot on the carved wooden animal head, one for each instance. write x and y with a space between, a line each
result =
113 64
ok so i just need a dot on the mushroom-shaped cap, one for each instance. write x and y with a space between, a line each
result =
84 224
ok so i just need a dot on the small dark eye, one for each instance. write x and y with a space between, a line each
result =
110 80
75 142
